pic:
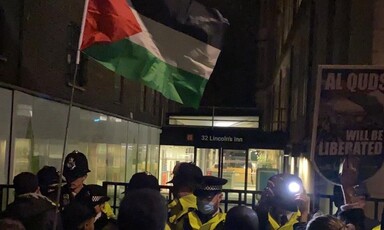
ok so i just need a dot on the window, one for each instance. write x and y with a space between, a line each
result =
171 155
153 151
5 126
216 121
115 148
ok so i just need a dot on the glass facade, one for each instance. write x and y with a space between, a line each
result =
5 125
115 148
245 169
234 168
170 155
263 163
208 161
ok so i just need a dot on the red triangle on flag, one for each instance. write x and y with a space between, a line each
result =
108 21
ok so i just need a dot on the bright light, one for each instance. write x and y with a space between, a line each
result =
224 123
294 187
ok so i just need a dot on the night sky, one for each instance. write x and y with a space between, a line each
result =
232 83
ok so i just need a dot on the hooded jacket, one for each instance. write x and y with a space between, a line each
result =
34 210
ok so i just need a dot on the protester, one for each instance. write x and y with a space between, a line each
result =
327 222
11 224
78 216
355 194
351 213
338 198
208 214
99 199
142 209
143 180
34 210
186 178
283 204
75 172
49 179
241 218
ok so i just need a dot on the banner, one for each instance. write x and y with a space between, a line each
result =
348 119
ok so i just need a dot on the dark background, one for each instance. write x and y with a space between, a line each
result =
232 83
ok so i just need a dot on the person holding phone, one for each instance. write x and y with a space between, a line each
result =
284 204
355 195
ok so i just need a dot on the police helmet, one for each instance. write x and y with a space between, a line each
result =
75 165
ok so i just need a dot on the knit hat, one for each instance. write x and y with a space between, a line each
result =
25 182
48 176
75 213
143 180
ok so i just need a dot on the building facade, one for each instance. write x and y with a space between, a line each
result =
303 34
114 121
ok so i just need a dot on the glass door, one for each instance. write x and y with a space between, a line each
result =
208 161
170 156
234 168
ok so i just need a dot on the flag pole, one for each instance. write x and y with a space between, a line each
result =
78 53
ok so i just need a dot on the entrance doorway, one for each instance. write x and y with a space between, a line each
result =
229 164
208 160
245 169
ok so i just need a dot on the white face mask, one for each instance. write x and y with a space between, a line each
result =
205 207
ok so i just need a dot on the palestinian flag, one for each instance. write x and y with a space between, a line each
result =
169 45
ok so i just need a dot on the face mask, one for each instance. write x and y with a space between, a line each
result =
206 207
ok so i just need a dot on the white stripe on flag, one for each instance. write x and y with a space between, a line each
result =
175 48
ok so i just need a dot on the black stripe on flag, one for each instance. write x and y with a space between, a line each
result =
186 16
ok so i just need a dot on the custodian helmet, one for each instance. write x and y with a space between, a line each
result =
75 165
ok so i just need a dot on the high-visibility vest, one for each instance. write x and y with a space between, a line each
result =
107 209
178 210
167 227
196 224
287 226
378 227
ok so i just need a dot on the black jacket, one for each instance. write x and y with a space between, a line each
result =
357 217
103 223
83 197
35 211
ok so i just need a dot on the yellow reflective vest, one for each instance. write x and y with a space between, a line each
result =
378 227
178 210
196 224
287 226
107 209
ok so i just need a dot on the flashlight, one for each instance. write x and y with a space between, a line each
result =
294 187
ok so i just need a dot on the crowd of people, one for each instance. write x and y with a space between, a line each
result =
42 203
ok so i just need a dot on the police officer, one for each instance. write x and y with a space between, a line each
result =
284 204
186 178
75 172
208 215
49 179
99 200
